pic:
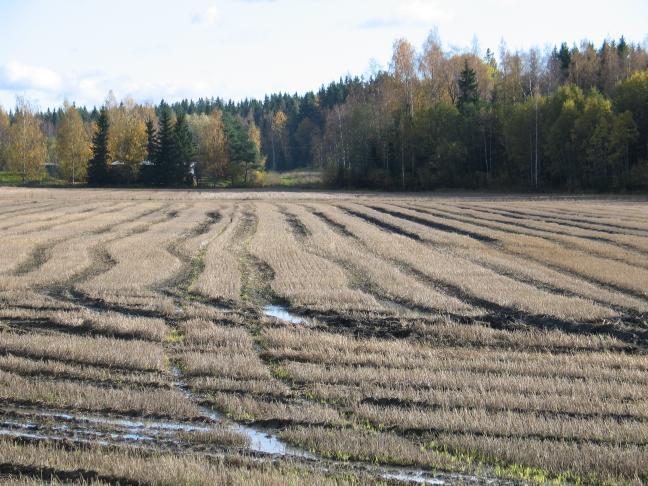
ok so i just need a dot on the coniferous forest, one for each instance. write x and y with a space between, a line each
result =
569 119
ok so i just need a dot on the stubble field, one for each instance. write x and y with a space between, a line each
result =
157 337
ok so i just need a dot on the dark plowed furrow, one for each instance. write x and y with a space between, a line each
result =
52 377
508 318
213 217
296 226
111 226
63 476
434 225
256 275
546 235
382 224
586 278
549 288
357 278
55 221
569 221
359 281
37 354
334 225
630 331
38 219
46 326
554 267
77 297
192 265
102 262
417 405
40 255
503 435
19 213
36 260
600 239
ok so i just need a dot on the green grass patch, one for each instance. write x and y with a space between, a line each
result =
296 178
175 337
281 374
9 178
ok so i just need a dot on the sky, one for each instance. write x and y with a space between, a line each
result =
52 50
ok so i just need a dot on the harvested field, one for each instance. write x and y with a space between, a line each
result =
303 337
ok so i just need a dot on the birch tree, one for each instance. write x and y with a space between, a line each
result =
72 145
26 147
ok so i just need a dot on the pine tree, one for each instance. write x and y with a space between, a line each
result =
165 170
98 165
467 85
185 150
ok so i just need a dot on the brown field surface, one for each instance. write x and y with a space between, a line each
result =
259 337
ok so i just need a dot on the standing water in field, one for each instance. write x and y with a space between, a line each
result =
260 441
267 443
281 313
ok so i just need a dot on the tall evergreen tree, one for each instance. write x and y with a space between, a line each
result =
151 141
467 82
564 58
185 151
243 155
147 171
98 165
165 163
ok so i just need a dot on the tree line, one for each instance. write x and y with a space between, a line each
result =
572 118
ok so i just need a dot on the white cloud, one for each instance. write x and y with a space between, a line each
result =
209 16
426 11
46 87
18 76
411 12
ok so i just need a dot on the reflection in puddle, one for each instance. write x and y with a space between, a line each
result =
419 477
36 424
260 440
280 312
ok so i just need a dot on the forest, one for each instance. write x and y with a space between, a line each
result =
568 119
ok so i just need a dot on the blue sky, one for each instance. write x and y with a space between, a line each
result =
152 49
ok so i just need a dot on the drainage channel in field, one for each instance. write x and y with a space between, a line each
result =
50 425
58 425
265 442
260 440
281 313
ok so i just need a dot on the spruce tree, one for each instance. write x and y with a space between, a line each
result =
165 163
467 85
185 151
98 165
147 171
151 141
564 58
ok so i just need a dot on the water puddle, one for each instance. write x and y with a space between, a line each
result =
40 424
125 423
43 424
260 440
418 477
281 313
